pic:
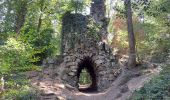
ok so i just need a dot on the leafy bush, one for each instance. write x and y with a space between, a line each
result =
24 93
41 42
15 59
157 89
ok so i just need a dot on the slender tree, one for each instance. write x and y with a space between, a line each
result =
131 36
21 11
40 17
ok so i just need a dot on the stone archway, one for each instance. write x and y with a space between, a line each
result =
99 62
88 64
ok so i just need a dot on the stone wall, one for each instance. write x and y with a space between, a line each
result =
104 64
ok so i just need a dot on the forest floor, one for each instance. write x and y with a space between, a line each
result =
121 89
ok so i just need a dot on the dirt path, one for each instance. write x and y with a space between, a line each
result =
121 89
117 91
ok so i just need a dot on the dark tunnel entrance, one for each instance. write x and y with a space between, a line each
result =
87 65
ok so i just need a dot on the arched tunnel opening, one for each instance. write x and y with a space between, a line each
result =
86 66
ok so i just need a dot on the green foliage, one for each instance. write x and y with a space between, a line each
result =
152 40
16 57
40 37
76 6
23 93
40 42
93 29
84 78
157 89
20 52
120 9
152 33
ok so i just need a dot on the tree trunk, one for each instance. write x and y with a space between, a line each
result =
20 16
131 37
40 19
2 84
8 17
39 24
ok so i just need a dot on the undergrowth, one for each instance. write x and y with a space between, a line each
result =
157 89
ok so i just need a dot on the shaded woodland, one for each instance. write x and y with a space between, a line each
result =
127 38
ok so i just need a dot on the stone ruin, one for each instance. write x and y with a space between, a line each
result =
99 63
94 56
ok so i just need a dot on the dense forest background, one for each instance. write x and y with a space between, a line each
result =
31 31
